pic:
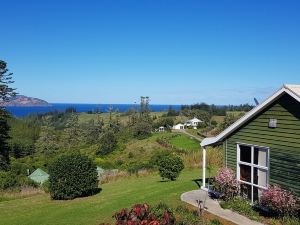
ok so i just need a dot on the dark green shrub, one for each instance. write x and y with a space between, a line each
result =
108 142
7 180
142 130
213 123
157 155
72 176
170 166
166 122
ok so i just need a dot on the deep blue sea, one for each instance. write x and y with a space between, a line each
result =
23 111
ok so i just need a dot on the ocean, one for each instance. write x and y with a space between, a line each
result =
23 111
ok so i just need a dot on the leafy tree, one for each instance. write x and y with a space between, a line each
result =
145 110
48 141
170 166
142 129
172 112
92 131
72 133
229 119
72 176
5 93
4 137
108 143
23 136
165 122
133 118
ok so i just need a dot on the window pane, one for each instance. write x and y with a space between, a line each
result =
246 191
260 157
256 193
260 177
245 173
245 153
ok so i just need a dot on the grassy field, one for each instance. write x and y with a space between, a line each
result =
185 142
142 150
99 208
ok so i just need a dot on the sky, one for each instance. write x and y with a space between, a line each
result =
175 52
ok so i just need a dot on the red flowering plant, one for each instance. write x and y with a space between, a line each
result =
140 214
226 183
279 201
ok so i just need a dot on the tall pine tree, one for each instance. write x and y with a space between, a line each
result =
5 93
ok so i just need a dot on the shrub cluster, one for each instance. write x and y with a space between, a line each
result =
226 183
279 201
72 176
161 214
142 130
16 178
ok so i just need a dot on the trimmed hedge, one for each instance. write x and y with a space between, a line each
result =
72 176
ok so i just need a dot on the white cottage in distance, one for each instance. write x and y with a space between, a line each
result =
178 126
193 123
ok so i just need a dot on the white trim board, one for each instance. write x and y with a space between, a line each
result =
292 90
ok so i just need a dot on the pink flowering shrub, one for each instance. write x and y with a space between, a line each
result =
226 183
279 201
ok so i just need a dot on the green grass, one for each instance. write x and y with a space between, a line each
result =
185 142
99 208
179 140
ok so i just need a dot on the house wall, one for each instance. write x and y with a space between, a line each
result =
283 141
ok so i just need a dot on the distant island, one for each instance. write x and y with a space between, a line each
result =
21 100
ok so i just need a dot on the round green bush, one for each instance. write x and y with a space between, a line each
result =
170 166
72 176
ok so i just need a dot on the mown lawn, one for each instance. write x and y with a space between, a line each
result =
99 208
179 140
185 142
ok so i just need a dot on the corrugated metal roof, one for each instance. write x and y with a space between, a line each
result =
39 176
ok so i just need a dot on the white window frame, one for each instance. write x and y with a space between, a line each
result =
252 165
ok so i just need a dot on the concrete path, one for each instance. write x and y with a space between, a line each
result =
213 207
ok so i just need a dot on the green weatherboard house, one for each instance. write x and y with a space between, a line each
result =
263 147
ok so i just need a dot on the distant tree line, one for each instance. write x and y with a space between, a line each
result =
217 110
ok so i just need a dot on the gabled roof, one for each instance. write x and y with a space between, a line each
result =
39 176
38 172
194 120
290 89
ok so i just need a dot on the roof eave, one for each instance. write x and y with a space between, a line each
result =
248 116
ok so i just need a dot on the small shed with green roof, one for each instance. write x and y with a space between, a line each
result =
100 171
39 176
